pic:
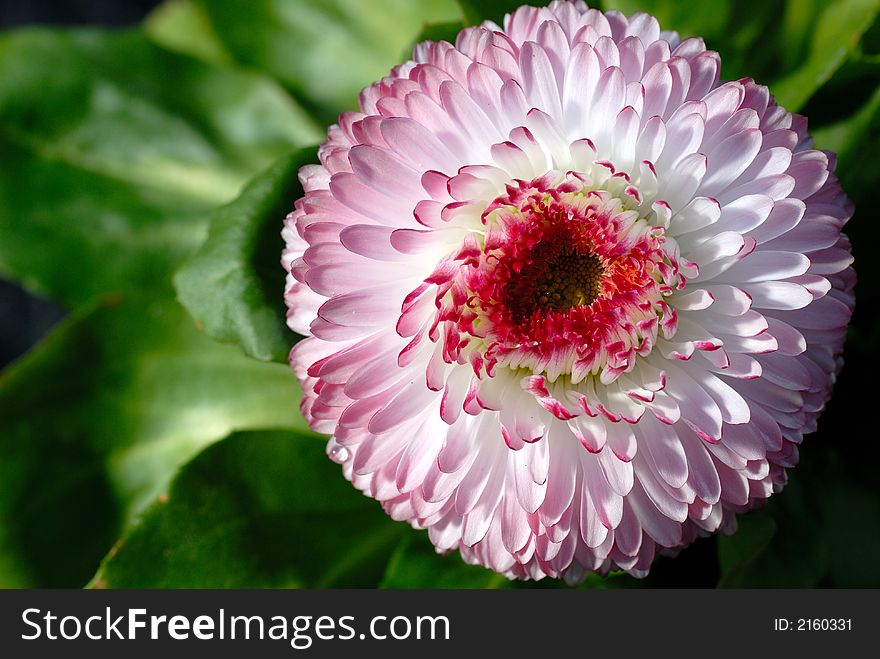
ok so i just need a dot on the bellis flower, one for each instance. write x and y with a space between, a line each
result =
570 299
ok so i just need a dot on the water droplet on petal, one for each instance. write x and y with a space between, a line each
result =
338 454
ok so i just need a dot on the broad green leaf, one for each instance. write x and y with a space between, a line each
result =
795 27
98 419
257 510
786 544
325 51
112 150
73 246
838 27
739 551
233 284
416 564
182 26
477 11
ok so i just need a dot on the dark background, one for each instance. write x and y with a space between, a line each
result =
73 12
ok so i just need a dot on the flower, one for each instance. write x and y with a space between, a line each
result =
570 299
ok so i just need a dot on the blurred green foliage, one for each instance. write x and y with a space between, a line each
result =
323 52
259 509
136 451
115 148
118 397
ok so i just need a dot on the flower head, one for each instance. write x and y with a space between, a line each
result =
570 299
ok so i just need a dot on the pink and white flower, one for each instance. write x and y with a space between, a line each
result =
570 300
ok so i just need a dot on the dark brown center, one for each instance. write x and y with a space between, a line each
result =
557 282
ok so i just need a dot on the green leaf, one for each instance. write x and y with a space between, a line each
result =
739 551
786 544
233 284
98 419
477 11
325 51
181 26
113 149
838 28
416 564
257 510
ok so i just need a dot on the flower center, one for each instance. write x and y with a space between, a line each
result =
564 280
560 278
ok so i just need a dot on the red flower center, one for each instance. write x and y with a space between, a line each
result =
568 281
